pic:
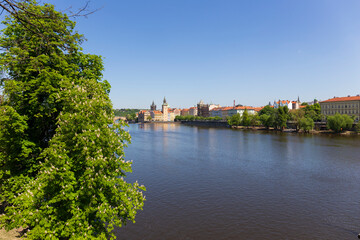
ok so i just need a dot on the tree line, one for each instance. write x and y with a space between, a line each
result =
304 119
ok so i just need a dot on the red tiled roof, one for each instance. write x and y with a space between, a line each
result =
283 102
257 109
245 107
342 99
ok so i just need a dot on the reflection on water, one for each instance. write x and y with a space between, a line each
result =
205 183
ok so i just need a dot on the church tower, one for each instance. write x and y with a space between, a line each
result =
165 108
153 106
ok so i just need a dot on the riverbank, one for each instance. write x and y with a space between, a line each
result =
215 124
324 132
222 124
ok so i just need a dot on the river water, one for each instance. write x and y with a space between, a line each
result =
208 183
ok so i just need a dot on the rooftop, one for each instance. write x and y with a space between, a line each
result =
343 99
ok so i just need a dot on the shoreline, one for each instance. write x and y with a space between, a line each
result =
313 132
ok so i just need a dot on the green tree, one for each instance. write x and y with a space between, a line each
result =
313 112
339 122
267 120
306 124
267 110
61 156
234 120
131 116
245 119
296 116
254 119
281 117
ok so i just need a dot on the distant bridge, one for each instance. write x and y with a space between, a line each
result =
118 118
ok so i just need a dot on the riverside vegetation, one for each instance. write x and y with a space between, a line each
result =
304 119
62 164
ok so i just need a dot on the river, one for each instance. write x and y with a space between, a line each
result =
208 183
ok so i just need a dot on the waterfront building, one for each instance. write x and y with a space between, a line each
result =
240 110
185 112
165 108
171 116
193 111
153 106
225 111
203 109
177 111
165 115
349 105
156 116
143 116
216 112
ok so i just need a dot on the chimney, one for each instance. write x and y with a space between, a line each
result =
234 103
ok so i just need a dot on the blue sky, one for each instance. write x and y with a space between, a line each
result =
251 51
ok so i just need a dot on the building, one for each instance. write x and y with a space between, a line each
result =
349 105
296 104
203 109
193 111
177 111
156 116
283 103
165 108
185 112
225 112
216 112
144 116
290 104
153 106
167 114
240 110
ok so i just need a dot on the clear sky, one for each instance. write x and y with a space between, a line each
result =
251 51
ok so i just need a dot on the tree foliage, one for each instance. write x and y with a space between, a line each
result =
62 164
197 118
235 120
339 122
267 110
267 120
282 115
245 118
313 112
296 116
306 124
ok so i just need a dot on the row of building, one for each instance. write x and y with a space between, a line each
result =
168 114
349 105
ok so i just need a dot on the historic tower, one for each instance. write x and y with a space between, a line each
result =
165 108
153 106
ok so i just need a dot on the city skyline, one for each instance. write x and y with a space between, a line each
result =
253 52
